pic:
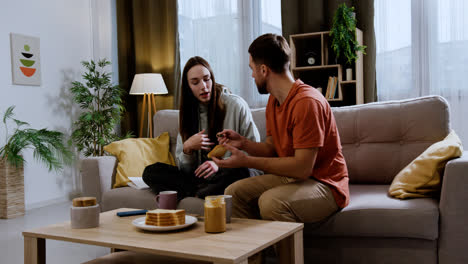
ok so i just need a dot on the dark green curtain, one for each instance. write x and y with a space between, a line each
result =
147 43
304 16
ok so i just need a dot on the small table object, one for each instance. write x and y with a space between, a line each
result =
84 212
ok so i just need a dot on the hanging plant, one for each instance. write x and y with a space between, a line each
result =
343 34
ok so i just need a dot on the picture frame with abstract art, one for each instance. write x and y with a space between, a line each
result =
25 59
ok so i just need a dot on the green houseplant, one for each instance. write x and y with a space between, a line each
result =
343 35
48 145
49 148
102 107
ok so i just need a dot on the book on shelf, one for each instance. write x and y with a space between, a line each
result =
327 92
337 91
331 87
334 87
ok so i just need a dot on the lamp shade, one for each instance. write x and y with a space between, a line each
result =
148 83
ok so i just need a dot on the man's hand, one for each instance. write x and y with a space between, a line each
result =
238 158
197 142
231 137
207 169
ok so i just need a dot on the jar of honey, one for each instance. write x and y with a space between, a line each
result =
215 214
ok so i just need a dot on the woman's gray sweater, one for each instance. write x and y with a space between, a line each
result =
238 118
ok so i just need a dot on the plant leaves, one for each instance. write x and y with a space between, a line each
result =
102 107
343 34
20 123
8 114
48 147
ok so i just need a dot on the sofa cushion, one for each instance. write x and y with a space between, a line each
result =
192 205
167 121
128 197
379 139
134 154
372 213
258 115
421 178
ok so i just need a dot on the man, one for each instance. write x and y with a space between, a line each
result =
306 177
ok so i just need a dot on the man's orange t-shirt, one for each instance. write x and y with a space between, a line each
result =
305 120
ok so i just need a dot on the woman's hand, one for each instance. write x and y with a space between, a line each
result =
207 169
230 137
197 142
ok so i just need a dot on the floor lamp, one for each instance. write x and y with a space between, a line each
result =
148 84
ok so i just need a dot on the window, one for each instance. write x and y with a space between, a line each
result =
422 49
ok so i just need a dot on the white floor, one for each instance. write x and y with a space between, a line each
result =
11 239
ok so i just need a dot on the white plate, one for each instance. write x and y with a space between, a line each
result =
140 223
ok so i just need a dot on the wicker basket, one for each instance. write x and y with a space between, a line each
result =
11 191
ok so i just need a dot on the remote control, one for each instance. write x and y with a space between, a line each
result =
130 213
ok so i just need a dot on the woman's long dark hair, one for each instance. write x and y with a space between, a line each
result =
188 110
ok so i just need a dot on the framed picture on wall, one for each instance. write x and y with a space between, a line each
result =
25 59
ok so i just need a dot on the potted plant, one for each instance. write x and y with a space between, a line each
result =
48 148
102 107
343 35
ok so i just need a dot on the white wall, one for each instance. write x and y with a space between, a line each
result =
70 31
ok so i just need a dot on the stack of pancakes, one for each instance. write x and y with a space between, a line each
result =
165 217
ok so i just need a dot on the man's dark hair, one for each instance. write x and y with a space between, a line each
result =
272 50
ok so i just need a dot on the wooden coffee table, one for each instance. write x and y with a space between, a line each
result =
243 238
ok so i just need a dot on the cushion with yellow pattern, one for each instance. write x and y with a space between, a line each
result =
134 154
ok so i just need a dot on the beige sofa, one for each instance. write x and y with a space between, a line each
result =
378 140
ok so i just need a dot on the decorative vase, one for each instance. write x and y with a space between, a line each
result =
349 74
11 190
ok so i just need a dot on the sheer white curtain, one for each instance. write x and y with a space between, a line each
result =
422 49
221 31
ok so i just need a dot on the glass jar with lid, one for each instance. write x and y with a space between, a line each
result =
215 214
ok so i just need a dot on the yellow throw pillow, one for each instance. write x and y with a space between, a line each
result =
134 154
421 178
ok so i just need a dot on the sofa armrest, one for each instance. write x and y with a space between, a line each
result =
97 174
453 231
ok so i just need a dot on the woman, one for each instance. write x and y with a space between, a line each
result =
206 108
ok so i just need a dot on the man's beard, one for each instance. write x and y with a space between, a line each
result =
262 87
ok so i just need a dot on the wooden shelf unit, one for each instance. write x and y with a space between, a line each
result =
319 43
